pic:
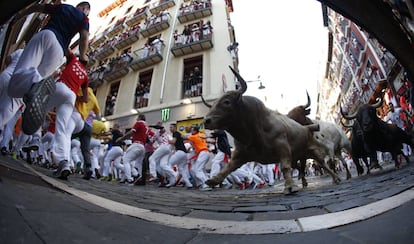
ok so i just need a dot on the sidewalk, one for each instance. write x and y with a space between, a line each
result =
191 213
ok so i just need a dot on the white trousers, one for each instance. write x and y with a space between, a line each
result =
63 100
217 163
155 158
75 151
198 167
179 158
115 155
133 159
95 146
47 141
9 129
40 58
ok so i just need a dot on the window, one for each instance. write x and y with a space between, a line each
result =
193 80
111 98
142 90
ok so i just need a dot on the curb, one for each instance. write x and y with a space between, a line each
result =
303 224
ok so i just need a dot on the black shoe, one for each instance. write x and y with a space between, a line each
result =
97 174
87 174
4 151
36 104
140 182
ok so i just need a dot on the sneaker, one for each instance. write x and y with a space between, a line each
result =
78 167
104 178
87 175
205 187
36 104
261 185
33 145
63 170
4 151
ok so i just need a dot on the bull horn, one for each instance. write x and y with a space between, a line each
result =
309 100
378 103
205 103
243 85
348 117
344 125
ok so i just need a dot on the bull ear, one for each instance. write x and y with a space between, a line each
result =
243 85
348 117
309 100
204 101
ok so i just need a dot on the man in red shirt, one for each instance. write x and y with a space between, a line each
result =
72 78
135 153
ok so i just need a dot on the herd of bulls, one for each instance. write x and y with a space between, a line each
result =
267 136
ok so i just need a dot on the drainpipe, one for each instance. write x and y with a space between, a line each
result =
167 57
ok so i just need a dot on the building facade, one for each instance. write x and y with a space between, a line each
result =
359 70
159 57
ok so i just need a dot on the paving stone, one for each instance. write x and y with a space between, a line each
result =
261 208
343 205
219 216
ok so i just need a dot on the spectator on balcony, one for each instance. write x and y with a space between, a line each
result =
157 44
145 50
165 15
139 95
177 38
207 30
187 34
195 33
146 95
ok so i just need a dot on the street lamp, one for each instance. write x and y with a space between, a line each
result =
261 87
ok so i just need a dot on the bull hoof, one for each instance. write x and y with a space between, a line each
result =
212 182
348 176
337 180
290 190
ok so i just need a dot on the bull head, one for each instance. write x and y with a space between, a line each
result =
354 115
227 107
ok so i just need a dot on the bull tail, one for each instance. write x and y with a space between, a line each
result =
313 127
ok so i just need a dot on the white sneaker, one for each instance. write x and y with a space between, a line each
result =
63 170
205 187
33 145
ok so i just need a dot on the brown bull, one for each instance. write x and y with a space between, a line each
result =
261 135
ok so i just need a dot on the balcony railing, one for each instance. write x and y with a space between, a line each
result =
163 4
98 41
118 68
192 47
116 29
189 14
146 57
96 76
125 42
105 52
139 15
155 28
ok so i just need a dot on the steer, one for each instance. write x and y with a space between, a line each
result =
329 134
371 134
262 135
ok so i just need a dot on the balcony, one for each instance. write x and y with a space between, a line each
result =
192 47
155 28
187 16
164 4
123 43
105 52
145 58
117 28
98 41
139 15
117 71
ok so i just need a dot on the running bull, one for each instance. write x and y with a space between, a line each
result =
371 134
329 134
262 135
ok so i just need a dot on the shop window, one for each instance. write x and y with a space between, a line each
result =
193 80
111 99
142 90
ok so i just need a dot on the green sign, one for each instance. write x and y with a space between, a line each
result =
165 114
